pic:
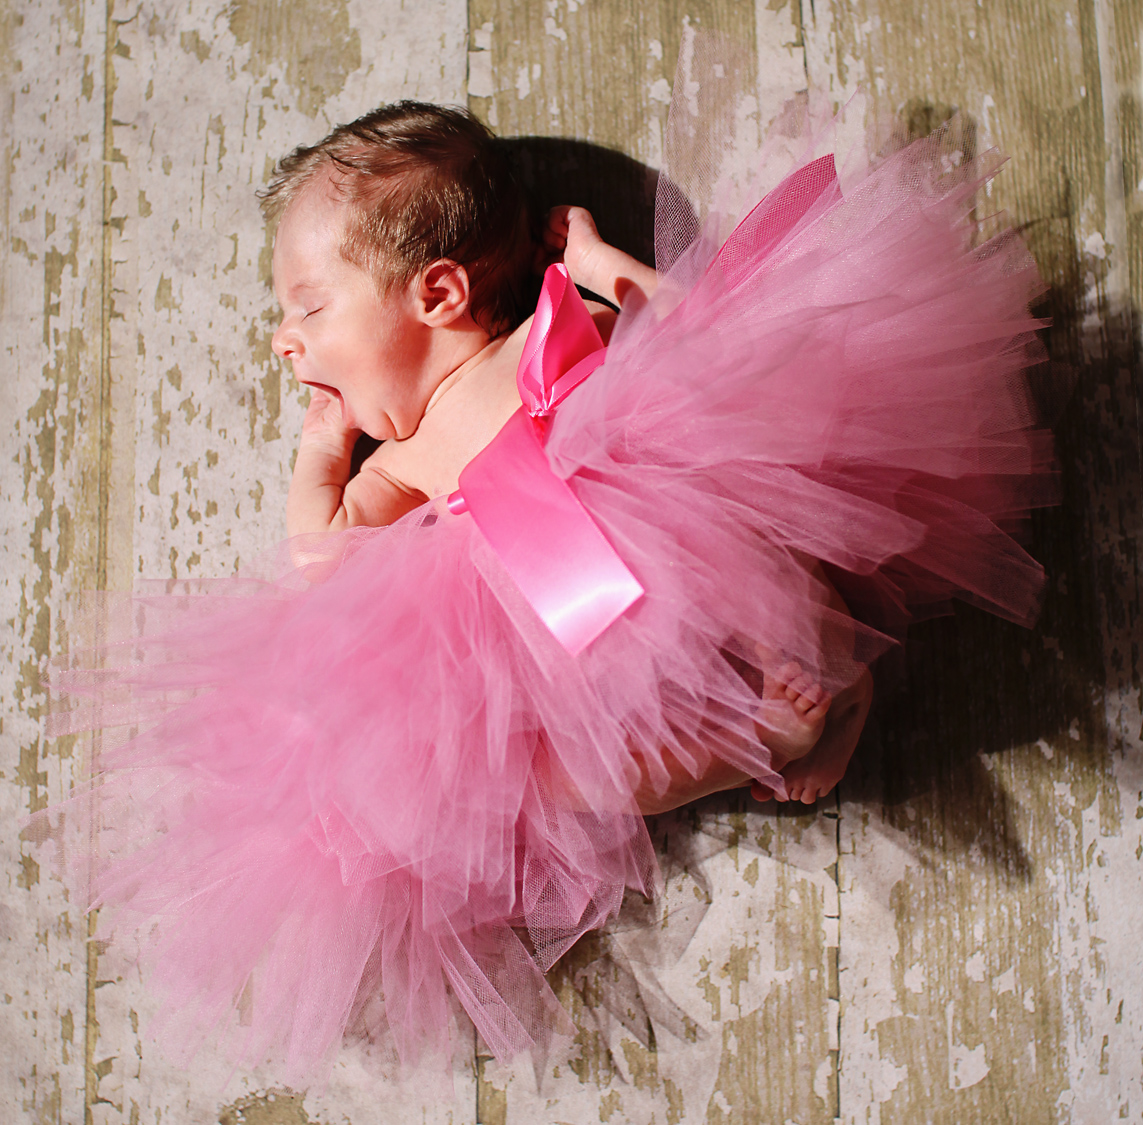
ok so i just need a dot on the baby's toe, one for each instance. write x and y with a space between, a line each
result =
798 685
804 702
815 693
820 707
787 673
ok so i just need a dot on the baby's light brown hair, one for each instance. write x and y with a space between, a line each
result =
422 182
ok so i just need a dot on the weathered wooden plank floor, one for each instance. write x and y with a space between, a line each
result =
954 939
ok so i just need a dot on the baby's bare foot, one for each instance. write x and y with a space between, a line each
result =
814 776
810 778
793 712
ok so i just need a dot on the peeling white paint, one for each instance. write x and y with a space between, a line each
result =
480 81
1095 246
967 1066
1006 982
191 418
51 68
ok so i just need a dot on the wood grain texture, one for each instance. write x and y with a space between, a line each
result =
206 97
990 850
955 940
51 136
156 430
715 1003
727 1017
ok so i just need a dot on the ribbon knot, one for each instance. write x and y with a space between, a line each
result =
563 346
546 539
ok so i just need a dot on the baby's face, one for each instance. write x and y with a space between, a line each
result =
337 331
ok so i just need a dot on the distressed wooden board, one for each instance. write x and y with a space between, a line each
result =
716 1004
155 327
216 415
597 72
51 201
217 412
601 75
989 870
752 983
990 873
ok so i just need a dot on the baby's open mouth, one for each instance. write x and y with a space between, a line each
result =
335 394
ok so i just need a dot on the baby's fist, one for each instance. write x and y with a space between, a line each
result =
324 423
570 232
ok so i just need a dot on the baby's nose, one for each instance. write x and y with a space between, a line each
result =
284 343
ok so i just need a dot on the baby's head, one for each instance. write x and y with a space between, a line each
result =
422 183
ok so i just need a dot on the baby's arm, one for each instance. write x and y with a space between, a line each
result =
322 496
591 262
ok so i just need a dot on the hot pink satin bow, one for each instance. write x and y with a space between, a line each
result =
547 541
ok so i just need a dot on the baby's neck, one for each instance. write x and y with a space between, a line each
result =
484 353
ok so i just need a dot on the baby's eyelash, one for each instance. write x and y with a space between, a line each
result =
311 312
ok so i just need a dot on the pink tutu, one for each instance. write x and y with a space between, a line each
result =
382 762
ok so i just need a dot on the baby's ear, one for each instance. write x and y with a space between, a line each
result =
441 293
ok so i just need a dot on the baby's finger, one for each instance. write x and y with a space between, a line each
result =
583 217
558 221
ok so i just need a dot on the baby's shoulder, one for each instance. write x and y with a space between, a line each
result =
603 315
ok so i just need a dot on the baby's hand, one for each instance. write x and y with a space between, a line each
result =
570 232
324 424
591 263
322 468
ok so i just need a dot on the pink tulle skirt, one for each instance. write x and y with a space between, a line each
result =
367 785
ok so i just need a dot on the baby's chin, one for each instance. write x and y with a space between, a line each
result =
376 431
381 427
370 423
